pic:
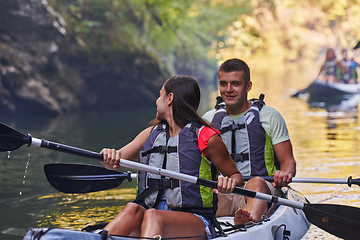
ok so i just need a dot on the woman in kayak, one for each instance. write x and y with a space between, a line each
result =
331 69
178 141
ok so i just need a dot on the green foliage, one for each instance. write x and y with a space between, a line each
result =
182 35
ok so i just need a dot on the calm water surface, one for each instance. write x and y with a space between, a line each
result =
325 139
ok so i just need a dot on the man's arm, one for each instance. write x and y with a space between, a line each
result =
284 155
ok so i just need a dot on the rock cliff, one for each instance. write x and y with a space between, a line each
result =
39 72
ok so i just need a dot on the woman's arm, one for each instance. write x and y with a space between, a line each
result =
342 67
218 154
321 69
129 151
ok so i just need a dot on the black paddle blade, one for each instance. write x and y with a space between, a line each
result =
339 220
299 93
357 45
83 178
11 139
353 181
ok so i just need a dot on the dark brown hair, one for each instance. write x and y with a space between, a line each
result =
236 64
186 100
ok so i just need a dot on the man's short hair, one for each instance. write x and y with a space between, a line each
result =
236 64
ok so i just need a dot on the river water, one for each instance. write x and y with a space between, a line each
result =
325 140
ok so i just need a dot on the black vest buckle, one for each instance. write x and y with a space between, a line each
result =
240 157
168 183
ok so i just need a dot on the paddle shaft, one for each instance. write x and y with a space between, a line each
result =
163 172
349 181
64 148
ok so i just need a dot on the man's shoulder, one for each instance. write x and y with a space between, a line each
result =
209 115
268 110
267 107
265 111
270 114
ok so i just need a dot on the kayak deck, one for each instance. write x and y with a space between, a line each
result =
284 223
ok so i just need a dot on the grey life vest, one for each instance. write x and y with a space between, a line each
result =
247 141
180 154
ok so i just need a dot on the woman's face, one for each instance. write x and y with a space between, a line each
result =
330 55
162 104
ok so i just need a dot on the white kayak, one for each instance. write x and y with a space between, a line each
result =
284 223
322 88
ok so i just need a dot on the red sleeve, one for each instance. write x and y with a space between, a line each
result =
205 134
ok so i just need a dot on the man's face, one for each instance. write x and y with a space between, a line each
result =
233 90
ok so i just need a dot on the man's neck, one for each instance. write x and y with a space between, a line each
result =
238 110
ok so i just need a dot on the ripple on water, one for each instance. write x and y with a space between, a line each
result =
317 233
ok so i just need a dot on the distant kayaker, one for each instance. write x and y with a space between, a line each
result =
178 140
331 69
348 74
257 138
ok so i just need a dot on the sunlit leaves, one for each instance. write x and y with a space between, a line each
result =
291 29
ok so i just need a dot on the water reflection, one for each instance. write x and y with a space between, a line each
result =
339 110
79 210
329 149
36 205
343 103
334 125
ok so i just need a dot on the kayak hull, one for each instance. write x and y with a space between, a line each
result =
322 88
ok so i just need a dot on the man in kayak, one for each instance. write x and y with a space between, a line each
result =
181 141
257 138
348 74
